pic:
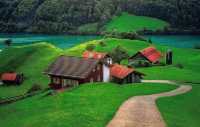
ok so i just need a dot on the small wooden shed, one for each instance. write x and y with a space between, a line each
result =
150 54
12 78
122 74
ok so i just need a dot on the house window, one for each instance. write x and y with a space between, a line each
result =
109 60
99 78
98 67
91 80
56 80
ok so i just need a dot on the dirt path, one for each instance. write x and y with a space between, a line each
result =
141 111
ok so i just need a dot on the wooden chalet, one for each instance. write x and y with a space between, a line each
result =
149 54
69 71
105 59
12 78
122 74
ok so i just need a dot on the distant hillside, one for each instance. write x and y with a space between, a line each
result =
132 23
60 16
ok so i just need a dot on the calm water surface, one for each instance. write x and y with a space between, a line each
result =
67 41
61 41
180 41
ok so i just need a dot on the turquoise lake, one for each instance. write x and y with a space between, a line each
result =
180 41
67 41
61 41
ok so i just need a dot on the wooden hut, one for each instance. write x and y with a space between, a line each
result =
122 74
149 55
69 71
12 78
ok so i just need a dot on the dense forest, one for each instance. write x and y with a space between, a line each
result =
58 16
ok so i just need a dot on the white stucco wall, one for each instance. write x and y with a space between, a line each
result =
106 73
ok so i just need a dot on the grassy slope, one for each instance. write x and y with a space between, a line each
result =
30 60
182 110
187 57
76 105
179 111
91 105
127 23
88 28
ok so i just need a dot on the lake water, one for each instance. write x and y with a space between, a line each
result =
61 41
180 41
67 41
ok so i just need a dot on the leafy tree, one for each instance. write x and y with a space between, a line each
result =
90 47
8 42
118 54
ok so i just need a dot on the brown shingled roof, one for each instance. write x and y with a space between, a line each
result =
72 67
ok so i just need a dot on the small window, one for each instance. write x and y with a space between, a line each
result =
99 78
98 67
91 80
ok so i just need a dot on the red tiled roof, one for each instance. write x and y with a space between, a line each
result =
94 55
9 76
120 71
151 53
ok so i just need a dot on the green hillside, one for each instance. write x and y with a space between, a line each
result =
31 61
131 23
188 58
179 111
95 104
90 105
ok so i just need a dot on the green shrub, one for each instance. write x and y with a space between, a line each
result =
118 54
34 88
179 65
90 47
102 43
197 46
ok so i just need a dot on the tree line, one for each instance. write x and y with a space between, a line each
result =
58 16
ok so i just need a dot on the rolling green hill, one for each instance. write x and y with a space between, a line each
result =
179 111
188 58
131 23
84 103
30 60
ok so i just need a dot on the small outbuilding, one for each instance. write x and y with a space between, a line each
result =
122 74
68 71
12 78
149 55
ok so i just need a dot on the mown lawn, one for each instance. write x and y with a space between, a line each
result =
30 60
131 23
182 110
90 105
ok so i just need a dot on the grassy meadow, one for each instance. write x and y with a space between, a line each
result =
131 23
95 104
90 105
30 60
182 110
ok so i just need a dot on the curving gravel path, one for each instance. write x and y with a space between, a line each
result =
141 111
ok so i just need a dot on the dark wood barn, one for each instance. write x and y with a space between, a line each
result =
146 57
122 74
12 78
69 71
